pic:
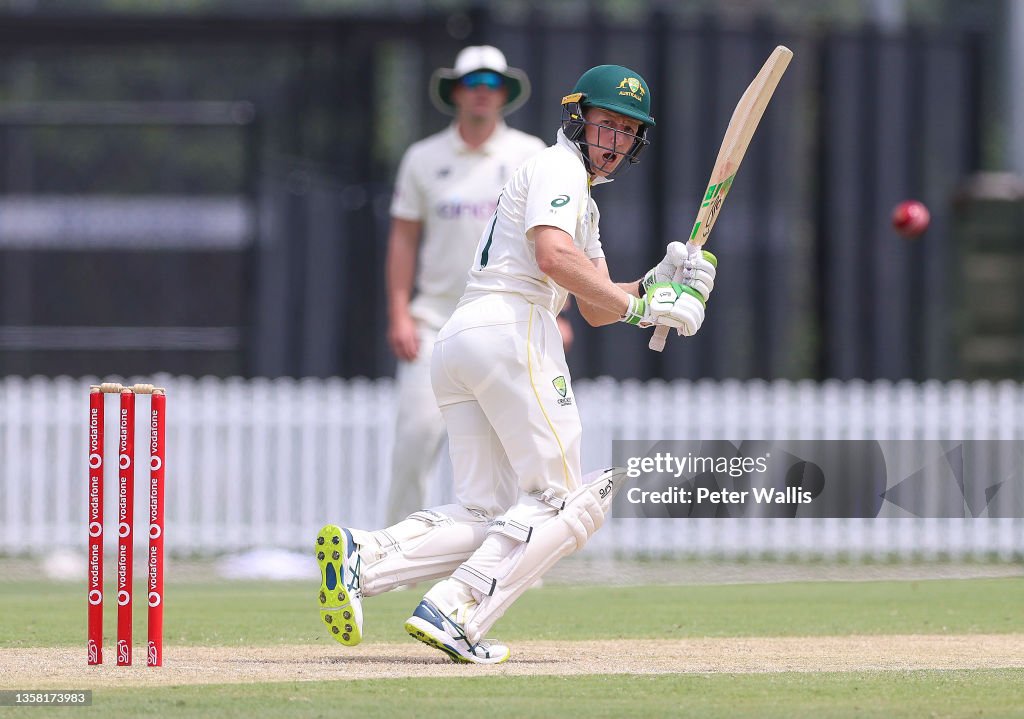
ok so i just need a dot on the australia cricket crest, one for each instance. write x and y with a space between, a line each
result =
562 387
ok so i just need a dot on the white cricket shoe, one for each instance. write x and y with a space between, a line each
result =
432 626
341 594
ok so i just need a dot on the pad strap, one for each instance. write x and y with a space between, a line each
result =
583 514
552 500
475 579
481 581
511 529
430 543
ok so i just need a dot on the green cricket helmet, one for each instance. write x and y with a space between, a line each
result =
614 88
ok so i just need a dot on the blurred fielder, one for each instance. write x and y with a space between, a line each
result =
500 378
444 194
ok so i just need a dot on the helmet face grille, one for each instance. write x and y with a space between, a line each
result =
574 126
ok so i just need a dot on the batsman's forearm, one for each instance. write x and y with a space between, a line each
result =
631 288
598 317
601 301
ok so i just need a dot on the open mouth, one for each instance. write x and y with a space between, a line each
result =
609 157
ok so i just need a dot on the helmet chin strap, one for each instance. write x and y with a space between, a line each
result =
585 151
598 172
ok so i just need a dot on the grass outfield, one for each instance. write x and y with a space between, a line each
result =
995 693
41 614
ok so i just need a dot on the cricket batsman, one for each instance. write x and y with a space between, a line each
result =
445 192
500 378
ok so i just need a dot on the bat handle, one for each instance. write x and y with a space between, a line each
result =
657 342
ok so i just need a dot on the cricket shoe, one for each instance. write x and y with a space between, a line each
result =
341 595
432 626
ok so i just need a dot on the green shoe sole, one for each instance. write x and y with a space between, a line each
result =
337 612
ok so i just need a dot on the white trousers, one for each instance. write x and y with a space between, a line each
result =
500 378
419 433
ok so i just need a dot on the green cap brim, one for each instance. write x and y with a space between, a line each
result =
622 110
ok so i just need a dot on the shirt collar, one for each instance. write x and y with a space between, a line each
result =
488 148
563 141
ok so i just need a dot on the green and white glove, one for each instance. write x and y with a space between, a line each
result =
699 269
667 303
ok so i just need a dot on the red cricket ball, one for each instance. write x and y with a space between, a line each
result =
910 218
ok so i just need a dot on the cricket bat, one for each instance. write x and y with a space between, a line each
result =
741 128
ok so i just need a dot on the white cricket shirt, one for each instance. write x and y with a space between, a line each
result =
452 190
551 188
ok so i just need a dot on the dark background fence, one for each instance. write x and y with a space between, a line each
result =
289 130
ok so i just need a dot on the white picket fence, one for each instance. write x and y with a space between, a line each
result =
257 463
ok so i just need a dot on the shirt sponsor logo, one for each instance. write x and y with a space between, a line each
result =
560 201
458 210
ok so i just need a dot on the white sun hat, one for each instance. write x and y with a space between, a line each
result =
472 59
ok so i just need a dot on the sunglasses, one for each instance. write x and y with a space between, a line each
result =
491 80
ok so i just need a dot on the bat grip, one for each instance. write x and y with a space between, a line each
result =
657 342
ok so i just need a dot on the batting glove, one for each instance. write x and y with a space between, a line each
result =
667 303
699 268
